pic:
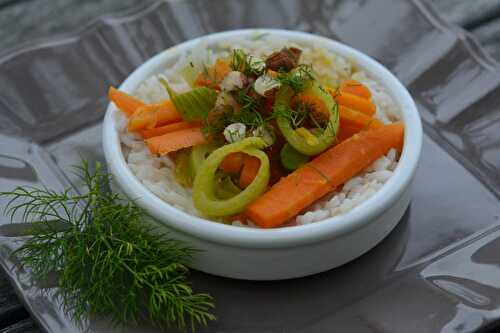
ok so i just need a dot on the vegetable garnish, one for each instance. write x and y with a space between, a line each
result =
248 114
204 196
126 103
295 137
157 131
334 167
110 259
184 175
247 64
299 79
194 104
352 122
356 88
199 153
212 76
251 166
232 163
292 159
247 124
177 140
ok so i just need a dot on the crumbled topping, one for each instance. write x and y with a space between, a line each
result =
284 60
235 132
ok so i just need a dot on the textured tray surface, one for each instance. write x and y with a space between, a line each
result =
437 268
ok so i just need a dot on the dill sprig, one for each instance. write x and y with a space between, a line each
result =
250 119
298 79
247 102
238 60
109 257
247 64
249 112
296 116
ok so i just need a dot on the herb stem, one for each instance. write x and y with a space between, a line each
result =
110 259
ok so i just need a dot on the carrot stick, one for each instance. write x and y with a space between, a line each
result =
151 115
174 141
355 102
352 122
214 75
232 163
167 113
157 131
126 103
344 161
288 197
142 118
356 88
250 169
322 175
355 118
346 131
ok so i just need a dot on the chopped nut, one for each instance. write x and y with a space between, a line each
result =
296 51
235 132
286 59
256 64
266 134
233 80
265 84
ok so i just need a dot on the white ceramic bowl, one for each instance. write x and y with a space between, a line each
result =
271 254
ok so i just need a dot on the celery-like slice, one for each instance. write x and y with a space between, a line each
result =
204 191
194 104
291 159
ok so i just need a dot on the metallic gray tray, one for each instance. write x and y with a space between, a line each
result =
438 271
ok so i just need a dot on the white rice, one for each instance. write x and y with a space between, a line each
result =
157 173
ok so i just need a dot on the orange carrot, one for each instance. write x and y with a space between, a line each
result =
126 103
319 107
352 122
214 75
151 115
167 113
174 141
288 197
322 175
355 102
232 163
356 88
142 118
157 131
220 70
355 118
346 131
250 169
344 161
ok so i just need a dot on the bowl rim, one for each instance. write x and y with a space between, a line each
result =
299 235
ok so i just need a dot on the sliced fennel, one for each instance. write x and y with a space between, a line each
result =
194 104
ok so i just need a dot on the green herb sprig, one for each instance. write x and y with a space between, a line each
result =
109 257
247 102
249 112
295 116
247 64
298 79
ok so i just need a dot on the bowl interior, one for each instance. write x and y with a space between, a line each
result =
280 237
